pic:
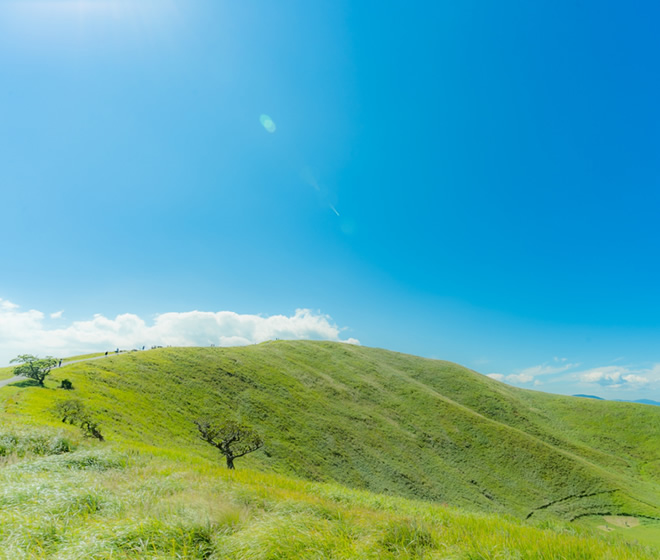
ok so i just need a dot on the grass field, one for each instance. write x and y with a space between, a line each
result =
632 529
451 456
99 501
6 373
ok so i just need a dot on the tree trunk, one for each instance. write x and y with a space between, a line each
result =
230 461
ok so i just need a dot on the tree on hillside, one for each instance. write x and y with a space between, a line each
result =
34 367
70 411
73 411
232 439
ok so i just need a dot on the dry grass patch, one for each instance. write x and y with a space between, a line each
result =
622 521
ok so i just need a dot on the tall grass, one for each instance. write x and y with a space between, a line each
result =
149 507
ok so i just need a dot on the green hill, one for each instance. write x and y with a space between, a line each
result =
376 420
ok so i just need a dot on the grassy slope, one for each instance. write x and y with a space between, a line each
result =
386 422
6 372
100 503
378 420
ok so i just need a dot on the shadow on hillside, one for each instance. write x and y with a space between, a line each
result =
25 383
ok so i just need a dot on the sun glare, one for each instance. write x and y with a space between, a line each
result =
112 10
35 23
69 7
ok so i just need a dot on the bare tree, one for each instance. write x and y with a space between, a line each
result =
232 439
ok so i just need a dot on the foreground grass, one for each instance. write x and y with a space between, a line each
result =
99 501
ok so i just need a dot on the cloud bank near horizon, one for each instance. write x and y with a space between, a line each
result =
27 332
527 375
603 379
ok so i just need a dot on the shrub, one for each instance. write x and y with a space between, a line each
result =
66 384
35 443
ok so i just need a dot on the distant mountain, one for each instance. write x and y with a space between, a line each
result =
646 401
638 401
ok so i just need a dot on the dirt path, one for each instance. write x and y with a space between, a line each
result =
10 380
20 378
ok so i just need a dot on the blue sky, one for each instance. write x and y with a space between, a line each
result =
473 181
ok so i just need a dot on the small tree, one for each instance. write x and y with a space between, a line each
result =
232 439
72 411
34 367
90 428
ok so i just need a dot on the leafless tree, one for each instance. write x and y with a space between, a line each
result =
232 439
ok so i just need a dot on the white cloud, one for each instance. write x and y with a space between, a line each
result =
604 375
612 381
57 315
618 377
7 305
26 332
637 379
548 369
529 374
519 378
513 378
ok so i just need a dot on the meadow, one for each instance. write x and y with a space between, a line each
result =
6 373
369 454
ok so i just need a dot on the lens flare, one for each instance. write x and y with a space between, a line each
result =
267 123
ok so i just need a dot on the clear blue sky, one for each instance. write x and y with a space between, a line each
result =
472 181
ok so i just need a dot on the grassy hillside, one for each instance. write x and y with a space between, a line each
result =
380 421
6 372
100 503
